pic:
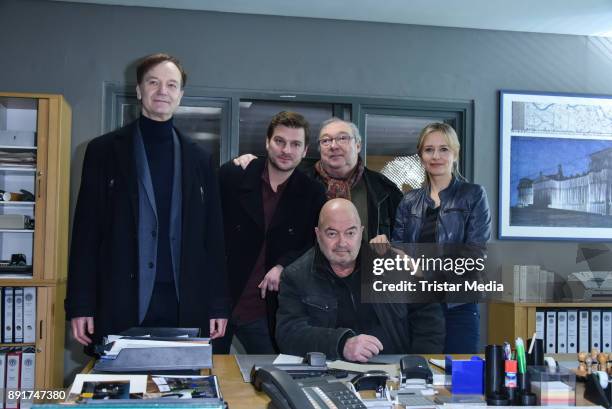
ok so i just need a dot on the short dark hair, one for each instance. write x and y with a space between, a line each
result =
152 60
290 120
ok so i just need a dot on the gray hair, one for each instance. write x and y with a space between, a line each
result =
354 129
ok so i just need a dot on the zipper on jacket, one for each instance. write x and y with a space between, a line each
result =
202 193
347 287
319 306
455 209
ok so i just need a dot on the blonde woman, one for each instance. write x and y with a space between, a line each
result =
446 209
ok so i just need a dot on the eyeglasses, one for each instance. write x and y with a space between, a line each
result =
342 139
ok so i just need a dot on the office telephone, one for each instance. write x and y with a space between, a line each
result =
308 393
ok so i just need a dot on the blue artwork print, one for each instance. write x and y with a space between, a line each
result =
560 182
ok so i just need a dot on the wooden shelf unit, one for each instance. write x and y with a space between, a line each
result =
508 320
50 117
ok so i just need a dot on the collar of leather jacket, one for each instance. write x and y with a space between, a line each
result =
444 194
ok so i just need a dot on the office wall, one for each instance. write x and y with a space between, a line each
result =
71 49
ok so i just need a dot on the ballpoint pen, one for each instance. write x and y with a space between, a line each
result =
507 351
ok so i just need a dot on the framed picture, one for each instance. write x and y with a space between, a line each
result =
555 180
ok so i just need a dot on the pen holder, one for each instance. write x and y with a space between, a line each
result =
536 357
494 370
596 394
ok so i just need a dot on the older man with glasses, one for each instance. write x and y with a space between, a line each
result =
342 172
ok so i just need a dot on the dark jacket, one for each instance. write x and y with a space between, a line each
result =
383 198
103 266
307 315
291 231
464 215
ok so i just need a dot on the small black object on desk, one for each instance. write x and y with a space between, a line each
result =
594 392
370 381
415 367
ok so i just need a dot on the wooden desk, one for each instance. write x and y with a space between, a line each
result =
241 395
237 393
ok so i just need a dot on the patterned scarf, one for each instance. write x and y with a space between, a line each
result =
340 187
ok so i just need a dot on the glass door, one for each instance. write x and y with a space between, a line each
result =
205 119
390 141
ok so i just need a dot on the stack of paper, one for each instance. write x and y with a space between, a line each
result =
553 393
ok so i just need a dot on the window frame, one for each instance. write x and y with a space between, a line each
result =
229 100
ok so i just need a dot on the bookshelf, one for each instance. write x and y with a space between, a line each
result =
38 126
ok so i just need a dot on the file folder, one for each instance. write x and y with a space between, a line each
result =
551 331
540 324
28 371
584 326
7 333
13 377
596 329
18 314
606 331
572 331
2 377
29 314
562 332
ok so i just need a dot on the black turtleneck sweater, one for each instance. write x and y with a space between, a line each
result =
159 146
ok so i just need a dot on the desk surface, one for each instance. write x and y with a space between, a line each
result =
237 393
241 395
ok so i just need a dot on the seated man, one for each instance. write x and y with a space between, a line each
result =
319 301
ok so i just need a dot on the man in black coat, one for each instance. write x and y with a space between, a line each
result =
147 240
269 211
320 307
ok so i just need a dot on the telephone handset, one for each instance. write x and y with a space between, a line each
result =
309 393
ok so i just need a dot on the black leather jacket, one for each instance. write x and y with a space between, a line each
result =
308 313
464 215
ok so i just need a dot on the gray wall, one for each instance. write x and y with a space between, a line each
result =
71 49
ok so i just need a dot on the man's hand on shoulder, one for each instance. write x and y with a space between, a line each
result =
271 280
81 328
380 244
244 160
361 348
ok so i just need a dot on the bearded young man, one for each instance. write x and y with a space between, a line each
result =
269 212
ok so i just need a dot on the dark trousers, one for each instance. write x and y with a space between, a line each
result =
462 329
